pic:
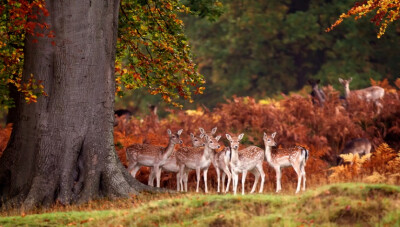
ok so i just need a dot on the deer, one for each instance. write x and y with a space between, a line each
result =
248 159
373 93
318 96
220 162
360 146
285 157
139 155
196 158
170 164
223 158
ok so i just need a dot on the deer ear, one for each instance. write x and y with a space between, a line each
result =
341 80
351 78
180 132
241 136
202 131
206 137
228 137
217 138
201 135
273 135
214 130
191 135
265 134
169 132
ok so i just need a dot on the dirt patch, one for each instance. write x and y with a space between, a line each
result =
376 192
363 215
221 222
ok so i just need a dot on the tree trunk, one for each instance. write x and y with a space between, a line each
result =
61 148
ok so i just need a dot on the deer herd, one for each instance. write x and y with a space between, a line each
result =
232 161
229 162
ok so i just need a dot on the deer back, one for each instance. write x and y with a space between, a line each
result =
359 146
370 93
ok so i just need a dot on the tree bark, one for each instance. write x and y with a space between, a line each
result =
61 148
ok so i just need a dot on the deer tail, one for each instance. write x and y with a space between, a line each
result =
304 153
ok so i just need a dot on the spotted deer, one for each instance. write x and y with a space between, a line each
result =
248 159
370 94
218 159
360 146
284 157
170 164
196 158
139 155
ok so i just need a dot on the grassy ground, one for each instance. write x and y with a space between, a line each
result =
331 205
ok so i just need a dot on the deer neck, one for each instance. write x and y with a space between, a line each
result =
234 155
347 91
268 155
208 152
168 151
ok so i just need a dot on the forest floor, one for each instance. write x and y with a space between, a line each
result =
330 205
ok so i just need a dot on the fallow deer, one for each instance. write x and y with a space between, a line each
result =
219 162
296 157
139 155
248 159
318 96
198 159
360 146
370 94
171 165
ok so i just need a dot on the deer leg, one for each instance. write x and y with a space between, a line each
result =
223 180
235 179
198 178
303 173
256 177
228 173
379 107
244 173
158 175
261 170
181 169
278 178
297 169
218 177
186 176
205 180
177 181
151 177
134 170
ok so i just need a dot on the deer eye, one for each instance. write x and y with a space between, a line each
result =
195 140
269 140
211 141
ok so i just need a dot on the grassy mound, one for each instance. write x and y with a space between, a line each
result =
338 204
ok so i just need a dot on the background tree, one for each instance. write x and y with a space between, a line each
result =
263 48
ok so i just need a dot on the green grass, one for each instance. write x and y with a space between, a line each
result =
353 204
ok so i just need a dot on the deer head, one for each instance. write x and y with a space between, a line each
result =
269 140
212 142
174 138
197 142
234 141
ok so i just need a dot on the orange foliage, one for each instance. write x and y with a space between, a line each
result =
382 167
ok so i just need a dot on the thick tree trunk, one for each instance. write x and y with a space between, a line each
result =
61 148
